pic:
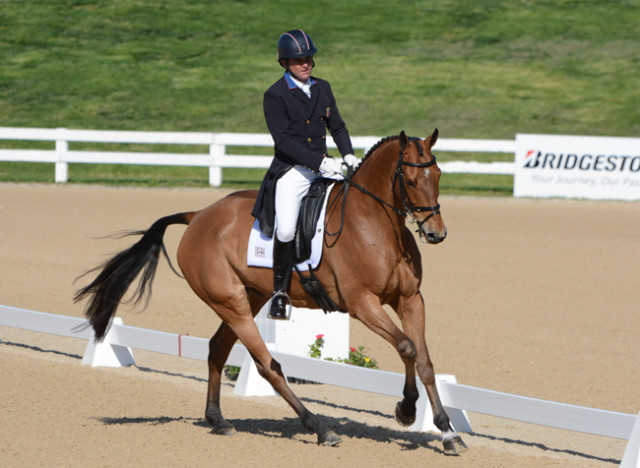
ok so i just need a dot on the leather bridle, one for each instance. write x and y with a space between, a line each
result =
409 207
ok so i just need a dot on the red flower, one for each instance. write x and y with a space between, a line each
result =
353 350
319 337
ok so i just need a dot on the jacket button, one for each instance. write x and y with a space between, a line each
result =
309 140
308 122
323 137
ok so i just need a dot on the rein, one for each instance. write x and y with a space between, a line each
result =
408 205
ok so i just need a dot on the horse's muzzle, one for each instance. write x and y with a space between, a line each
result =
433 237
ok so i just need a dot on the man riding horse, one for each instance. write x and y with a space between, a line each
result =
374 263
298 109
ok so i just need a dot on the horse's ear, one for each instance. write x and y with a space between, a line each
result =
403 140
434 137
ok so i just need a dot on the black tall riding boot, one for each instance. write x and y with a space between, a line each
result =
283 258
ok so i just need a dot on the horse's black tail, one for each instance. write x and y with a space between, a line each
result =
106 291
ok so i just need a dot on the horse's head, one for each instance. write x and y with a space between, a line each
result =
416 182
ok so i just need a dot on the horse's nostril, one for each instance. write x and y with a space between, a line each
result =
435 238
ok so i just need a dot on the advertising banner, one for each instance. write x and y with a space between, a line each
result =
598 168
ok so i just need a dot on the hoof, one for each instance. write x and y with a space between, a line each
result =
225 431
454 445
402 418
220 425
329 439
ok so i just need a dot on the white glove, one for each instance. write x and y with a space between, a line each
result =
351 161
331 166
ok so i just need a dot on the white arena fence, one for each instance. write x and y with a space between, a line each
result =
217 144
457 399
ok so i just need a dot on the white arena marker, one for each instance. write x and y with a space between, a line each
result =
105 354
631 457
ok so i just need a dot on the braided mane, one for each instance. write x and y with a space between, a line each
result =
376 146
382 142
379 144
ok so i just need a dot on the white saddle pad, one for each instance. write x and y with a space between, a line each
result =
260 249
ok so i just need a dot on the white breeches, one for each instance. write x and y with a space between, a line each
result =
290 190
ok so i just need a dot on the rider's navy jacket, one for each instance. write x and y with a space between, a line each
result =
298 125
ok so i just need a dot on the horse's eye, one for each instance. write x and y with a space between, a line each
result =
411 184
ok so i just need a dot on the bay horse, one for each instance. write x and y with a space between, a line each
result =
373 261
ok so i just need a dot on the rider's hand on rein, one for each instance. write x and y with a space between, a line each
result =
351 161
331 166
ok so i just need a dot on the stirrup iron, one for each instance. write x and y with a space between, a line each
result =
287 307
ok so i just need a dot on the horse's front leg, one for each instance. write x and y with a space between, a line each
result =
219 348
412 314
406 409
370 312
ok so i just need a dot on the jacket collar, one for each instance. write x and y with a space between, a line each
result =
291 83
308 102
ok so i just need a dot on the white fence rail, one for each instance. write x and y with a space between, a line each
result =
217 144
455 397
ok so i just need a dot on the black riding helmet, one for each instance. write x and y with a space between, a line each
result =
295 44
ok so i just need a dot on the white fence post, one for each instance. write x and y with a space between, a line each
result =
631 457
424 415
62 147
216 150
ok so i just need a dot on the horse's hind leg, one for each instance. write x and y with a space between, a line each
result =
270 370
239 319
219 348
